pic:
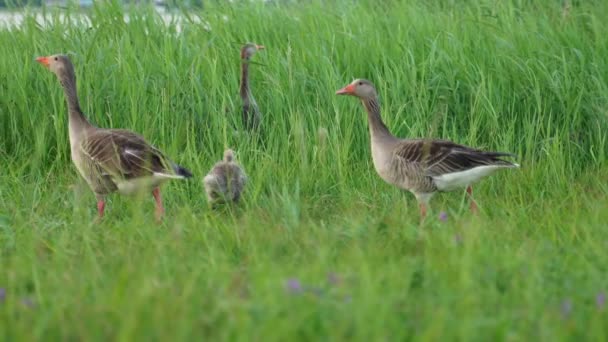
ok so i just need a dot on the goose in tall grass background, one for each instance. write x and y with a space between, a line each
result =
252 117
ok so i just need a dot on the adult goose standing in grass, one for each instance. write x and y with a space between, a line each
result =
423 166
251 113
111 159
226 180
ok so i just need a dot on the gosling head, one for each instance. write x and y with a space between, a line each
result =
229 156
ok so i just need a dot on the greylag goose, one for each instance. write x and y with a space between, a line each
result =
111 159
226 180
251 113
423 166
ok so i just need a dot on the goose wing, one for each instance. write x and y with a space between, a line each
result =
124 154
440 157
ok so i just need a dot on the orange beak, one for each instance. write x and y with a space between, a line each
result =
44 61
348 90
260 47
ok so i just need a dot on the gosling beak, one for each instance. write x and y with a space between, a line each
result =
44 61
348 90
260 47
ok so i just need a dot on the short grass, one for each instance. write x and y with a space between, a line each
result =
321 248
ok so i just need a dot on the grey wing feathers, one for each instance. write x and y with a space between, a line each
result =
437 157
124 154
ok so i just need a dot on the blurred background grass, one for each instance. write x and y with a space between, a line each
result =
321 247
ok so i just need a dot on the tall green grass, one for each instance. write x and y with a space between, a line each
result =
507 75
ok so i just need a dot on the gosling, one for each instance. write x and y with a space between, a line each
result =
226 181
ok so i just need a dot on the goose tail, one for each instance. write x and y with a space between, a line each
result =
498 158
182 171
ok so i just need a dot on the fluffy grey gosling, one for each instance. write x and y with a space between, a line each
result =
226 180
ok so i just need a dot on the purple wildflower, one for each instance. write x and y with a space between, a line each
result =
600 300
28 302
333 278
317 291
443 216
458 239
2 294
294 286
566 308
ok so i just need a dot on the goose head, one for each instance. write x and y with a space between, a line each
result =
250 49
360 88
58 64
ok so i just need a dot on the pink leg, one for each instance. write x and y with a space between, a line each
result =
160 211
101 206
422 207
474 208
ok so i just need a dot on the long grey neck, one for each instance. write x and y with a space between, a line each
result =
245 91
377 128
77 122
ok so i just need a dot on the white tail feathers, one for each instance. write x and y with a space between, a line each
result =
453 180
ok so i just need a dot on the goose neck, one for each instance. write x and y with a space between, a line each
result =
245 91
77 121
377 127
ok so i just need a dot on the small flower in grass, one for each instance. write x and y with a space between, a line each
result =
566 308
600 300
322 133
443 216
28 302
2 294
333 279
317 291
458 239
293 286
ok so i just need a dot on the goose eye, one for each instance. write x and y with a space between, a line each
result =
360 83
56 58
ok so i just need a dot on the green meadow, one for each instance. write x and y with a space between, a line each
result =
320 248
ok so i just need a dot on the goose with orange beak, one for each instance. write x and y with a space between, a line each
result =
111 160
423 166
252 117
